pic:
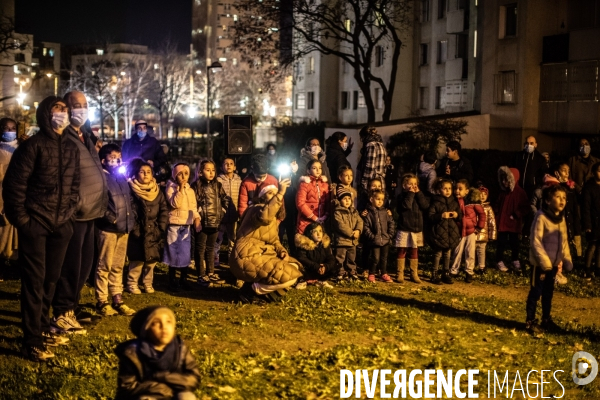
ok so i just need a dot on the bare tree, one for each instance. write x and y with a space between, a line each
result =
135 82
359 32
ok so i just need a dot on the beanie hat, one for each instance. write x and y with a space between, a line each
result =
140 323
483 189
140 122
266 189
342 191
177 168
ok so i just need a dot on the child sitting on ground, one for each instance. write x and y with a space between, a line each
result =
444 214
411 204
347 227
158 364
488 233
378 231
114 228
315 256
549 253
472 222
146 239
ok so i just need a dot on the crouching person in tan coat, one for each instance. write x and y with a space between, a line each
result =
258 257
549 254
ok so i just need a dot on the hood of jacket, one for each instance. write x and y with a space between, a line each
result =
43 116
306 243
512 175
310 178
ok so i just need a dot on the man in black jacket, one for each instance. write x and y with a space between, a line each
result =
93 199
531 165
454 167
41 193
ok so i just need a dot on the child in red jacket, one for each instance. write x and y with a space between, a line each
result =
312 198
255 182
512 206
472 222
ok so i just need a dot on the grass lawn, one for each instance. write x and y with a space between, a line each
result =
296 349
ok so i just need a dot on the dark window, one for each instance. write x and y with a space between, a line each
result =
424 56
379 53
345 103
310 100
423 98
442 51
425 10
505 87
511 20
19 57
439 97
441 9
355 100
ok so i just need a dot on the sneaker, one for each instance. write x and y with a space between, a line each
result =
85 317
204 280
123 309
561 279
353 276
533 328
133 289
67 323
447 278
501 267
54 339
549 325
371 278
324 284
37 353
214 277
516 265
365 274
469 278
386 278
106 309
301 286
148 289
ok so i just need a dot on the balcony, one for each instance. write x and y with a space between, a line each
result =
456 21
456 69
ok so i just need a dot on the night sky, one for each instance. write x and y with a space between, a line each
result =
145 22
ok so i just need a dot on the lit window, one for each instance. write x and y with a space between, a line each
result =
361 100
378 98
348 25
45 51
311 65
234 61
235 17
100 52
51 52
300 101
222 59
475 43
155 66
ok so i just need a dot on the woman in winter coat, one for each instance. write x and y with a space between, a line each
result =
8 145
212 205
444 236
258 257
315 255
312 198
144 247
338 148
590 213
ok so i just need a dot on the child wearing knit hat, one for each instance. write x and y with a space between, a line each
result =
347 226
157 364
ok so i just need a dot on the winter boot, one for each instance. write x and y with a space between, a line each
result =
414 270
173 284
435 277
400 263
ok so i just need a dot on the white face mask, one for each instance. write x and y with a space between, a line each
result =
272 152
9 136
529 148
314 150
114 163
142 134
60 120
79 116
345 146
585 150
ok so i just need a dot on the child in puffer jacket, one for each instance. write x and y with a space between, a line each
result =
472 222
183 213
411 205
315 256
444 214
312 198
549 254
511 207
488 233
378 231
347 227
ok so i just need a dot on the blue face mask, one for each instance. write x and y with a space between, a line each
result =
9 136
141 134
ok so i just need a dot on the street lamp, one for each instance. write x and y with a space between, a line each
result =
50 75
216 67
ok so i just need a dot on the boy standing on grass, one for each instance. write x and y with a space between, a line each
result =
549 253
113 234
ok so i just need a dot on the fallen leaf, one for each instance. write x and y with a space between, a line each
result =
227 389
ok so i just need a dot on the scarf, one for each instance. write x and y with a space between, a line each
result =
158 361
557 219
147 192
